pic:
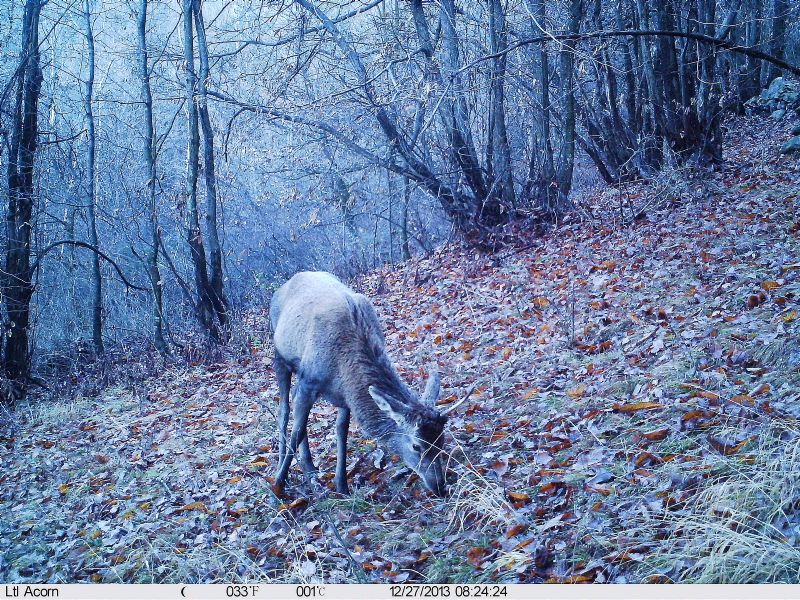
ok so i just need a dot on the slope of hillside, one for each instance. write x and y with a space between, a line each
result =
632 416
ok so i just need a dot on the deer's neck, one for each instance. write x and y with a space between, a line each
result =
378 371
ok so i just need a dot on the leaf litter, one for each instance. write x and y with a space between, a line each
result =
629 388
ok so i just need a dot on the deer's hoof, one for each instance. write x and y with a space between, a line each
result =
278 489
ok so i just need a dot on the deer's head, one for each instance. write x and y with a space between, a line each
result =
420 432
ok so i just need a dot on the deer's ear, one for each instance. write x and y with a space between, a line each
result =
432 389
385 404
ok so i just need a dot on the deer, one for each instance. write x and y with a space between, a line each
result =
330 338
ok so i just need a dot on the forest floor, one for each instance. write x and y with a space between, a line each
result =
633 417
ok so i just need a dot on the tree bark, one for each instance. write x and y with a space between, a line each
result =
541 171
566 155
708 149
22 152
205 306
91 199
152 174
780 13
216 277
498 160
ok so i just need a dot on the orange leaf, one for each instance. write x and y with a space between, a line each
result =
572 579
476 555
764 388
609 265
295 504
515 530
577 391
646 458
743 399
770 285
693 414
789 316
519 497
500 467
193 506
541 302
523 543
727 449
656 435
64 488
636 406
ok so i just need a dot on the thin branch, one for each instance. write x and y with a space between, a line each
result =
698 37
94 249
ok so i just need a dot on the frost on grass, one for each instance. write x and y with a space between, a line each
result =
632 417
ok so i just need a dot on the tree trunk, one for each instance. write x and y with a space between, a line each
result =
404 230
91 151
204 307
709 148
219 302
541 171
498 163
152 174
780 12
750 79
477 209
566 155
22 151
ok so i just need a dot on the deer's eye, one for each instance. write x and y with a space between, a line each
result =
416 447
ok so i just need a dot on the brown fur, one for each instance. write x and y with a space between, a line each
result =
330 337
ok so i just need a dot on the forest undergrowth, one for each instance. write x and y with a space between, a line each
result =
634 381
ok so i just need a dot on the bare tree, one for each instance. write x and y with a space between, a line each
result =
210 308
91 177
18 285
150 156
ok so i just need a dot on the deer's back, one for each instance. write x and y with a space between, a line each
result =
315 318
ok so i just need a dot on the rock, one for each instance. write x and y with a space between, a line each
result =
781 95
778 114
791 146
775 89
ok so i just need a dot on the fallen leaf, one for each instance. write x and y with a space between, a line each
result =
199 506
789 316
637 406
476 556
656 435
519 497
577 391
540 302
515 530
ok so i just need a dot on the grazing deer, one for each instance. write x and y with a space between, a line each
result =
331 339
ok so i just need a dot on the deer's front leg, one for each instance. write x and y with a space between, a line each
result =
305 458
303 399
342 425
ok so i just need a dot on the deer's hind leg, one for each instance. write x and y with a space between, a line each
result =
304 396
306 462
284 377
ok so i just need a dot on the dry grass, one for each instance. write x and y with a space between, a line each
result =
743 524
